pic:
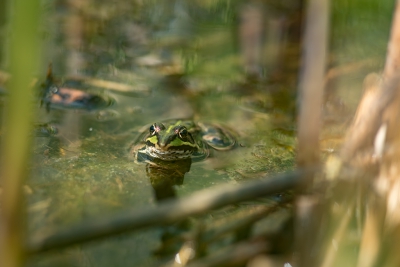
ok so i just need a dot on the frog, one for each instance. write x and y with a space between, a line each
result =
181 139
70 93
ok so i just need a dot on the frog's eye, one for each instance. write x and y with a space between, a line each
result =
183 133
155 128
152 129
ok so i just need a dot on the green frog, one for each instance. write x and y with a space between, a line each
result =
176 140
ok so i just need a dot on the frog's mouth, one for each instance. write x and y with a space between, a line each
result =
170 154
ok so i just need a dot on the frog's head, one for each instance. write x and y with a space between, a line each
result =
173 142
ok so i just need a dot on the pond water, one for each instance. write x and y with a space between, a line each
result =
120 66
116 69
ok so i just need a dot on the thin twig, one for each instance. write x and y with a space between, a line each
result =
214 234
167 212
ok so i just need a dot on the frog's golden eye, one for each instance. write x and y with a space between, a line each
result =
183 133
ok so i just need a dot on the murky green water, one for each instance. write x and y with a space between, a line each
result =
172 60
224 61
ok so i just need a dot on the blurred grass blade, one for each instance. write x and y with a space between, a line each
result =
24 54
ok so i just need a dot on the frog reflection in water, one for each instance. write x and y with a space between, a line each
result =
169 148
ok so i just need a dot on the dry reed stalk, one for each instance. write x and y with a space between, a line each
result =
311 87
312 82
373 146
